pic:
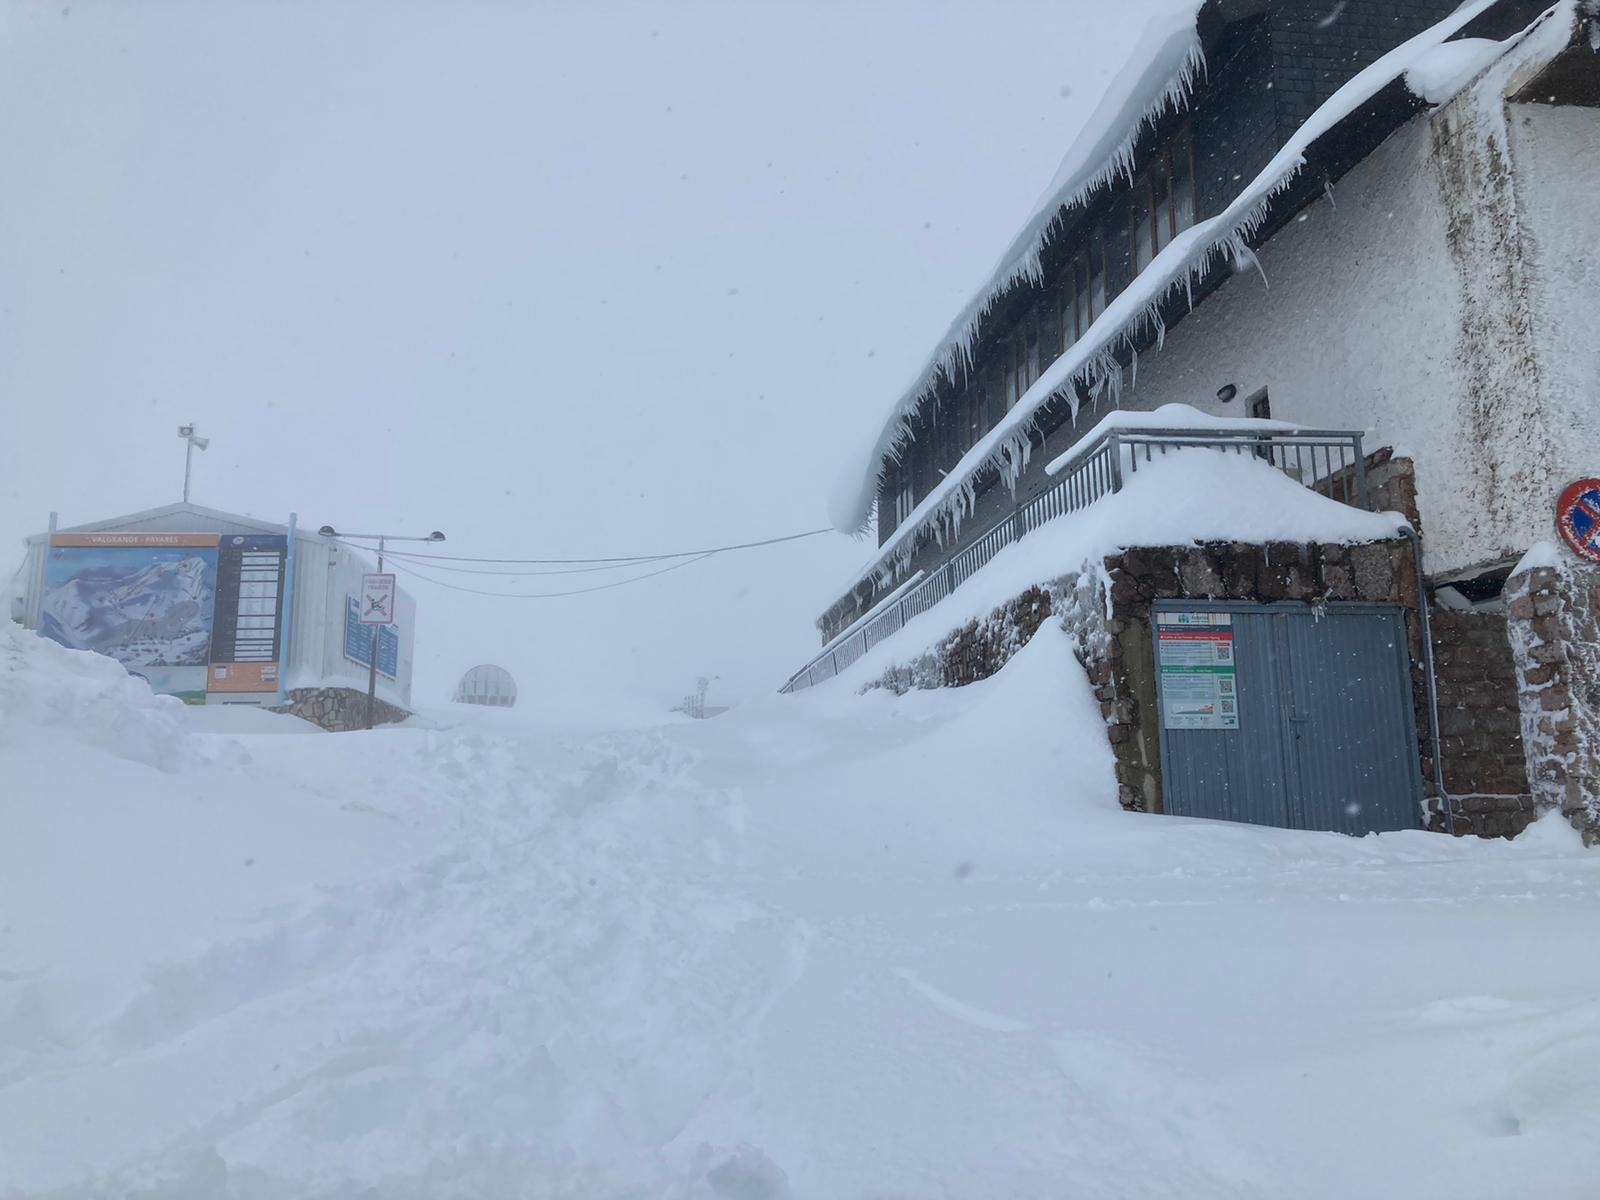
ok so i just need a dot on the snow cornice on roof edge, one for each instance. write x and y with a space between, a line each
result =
1161 77
1091 361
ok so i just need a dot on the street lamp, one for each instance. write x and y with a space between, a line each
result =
328 531
191 442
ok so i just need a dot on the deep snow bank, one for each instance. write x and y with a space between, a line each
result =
824 946
86 697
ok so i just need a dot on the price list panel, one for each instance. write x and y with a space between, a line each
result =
247 631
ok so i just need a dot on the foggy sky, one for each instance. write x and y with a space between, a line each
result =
558 279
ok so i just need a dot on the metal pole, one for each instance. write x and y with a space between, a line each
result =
1445 803
286 615
372 665
33 605
188 458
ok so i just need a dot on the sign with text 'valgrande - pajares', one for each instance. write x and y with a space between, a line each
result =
198 616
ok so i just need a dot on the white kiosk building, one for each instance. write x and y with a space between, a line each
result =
219 608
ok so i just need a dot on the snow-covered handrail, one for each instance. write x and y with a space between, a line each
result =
1329 461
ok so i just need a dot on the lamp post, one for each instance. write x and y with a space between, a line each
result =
191 442
329 531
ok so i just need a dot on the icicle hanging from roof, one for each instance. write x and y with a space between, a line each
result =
1091 362
1160 79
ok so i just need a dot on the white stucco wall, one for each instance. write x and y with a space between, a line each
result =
1557 152
338 571
1438 303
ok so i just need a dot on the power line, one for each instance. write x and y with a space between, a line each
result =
432 566
622 560
616 583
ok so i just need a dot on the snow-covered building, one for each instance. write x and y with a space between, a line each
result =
1373 216
220 608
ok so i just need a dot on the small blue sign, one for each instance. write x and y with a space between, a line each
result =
358 641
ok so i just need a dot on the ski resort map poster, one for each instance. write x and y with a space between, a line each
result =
1198 676
190 613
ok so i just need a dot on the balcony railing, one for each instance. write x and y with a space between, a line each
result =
1329 462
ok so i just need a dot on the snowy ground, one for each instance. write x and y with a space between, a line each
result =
822 946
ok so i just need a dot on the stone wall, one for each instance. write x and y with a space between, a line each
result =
1379 573
339 709
1108 612
1480 725
1553 617
978 649
981 648
1392 485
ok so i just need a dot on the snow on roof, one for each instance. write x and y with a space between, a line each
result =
1158 79
1447 68
1091 361
161 519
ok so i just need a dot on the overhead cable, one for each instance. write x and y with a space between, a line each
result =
615 583
624 565
621 559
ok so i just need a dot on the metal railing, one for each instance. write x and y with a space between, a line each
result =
1327 461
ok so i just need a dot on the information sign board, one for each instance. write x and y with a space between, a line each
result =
1199 681
358 641
192 614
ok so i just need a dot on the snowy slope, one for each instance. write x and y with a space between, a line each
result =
823 946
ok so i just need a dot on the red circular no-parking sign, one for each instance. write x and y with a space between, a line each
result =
1578 518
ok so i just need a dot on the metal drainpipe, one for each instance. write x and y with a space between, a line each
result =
1433 687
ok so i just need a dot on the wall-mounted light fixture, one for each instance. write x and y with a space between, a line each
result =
1227 392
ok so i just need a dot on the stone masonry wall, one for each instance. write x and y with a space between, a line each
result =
1392 485
338 709
1117 649
1309 572
1553 617
1480 724
1108 613
978 649
981 648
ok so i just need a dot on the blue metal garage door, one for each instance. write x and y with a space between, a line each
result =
1287 715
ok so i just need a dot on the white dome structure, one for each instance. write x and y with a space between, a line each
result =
487 684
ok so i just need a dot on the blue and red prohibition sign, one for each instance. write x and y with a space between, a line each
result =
1578 518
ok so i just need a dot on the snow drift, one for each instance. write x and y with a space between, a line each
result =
820 947
85 697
